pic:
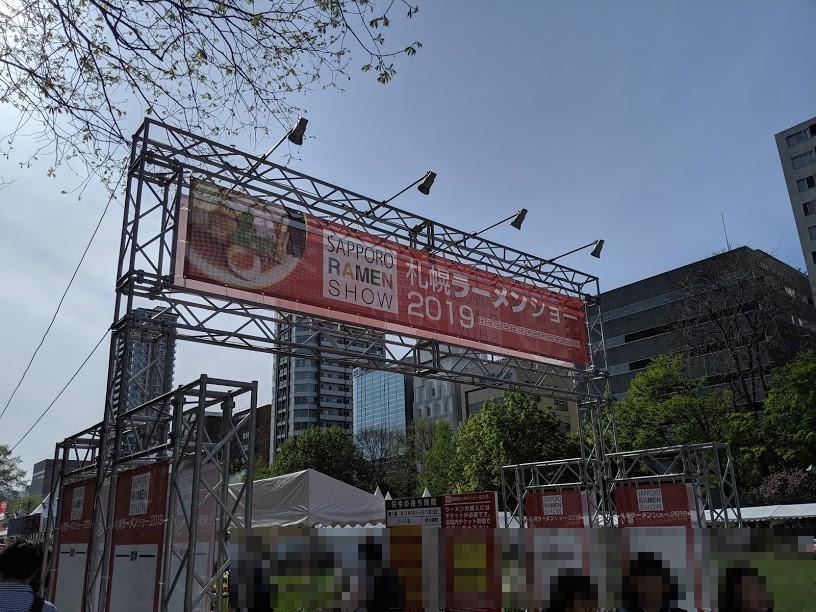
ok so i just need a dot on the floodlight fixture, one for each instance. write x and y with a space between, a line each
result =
516 220
424 182
520 216
596 250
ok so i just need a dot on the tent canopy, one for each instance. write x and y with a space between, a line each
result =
774 513
310 498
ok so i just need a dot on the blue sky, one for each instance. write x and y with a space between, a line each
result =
638 122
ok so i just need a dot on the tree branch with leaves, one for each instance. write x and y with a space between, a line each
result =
73 68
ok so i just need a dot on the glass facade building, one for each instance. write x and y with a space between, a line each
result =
381 399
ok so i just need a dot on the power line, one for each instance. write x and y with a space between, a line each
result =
87 359
62 299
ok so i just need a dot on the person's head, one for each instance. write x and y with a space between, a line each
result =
20 562
743 589
572 592
649 584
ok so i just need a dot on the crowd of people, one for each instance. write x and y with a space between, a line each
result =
648 586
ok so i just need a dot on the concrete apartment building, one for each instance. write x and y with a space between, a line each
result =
797 152
641 320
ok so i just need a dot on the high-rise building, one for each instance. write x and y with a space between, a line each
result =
735 315
151 355
381 399
797 152
41 475
311 391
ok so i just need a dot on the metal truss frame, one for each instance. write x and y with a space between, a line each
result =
708 467
171 427
163 161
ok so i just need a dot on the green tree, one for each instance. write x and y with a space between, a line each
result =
789 423
514 429
217 67
12 476
388 461
665 407
439 463
328 450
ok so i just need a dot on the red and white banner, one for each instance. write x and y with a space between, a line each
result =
669 504
138 538
3 506
247 249
75 518
556 509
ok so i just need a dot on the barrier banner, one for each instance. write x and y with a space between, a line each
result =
138 538
75 518
668 504
473 571
555 509
245 248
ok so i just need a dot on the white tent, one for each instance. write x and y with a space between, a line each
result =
310 498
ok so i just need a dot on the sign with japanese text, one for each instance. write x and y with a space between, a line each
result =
555 509
668 504
245 248
470 511
417 511
3 506
31 524
459 511
138 536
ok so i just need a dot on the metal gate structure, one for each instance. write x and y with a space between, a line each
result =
163 161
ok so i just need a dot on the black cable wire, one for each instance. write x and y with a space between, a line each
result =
40 418
62 299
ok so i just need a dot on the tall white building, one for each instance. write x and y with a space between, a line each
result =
797 152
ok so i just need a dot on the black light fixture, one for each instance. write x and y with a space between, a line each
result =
520 216
296 133
427 181
424 188
596 250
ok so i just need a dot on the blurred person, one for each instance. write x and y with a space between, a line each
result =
20 564
649 587
744 590
573 592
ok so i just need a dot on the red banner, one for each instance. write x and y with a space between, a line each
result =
556 509
247 249
75 518
138 538
669 504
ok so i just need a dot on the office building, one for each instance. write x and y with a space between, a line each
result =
311 391
797 152
382 399
151 355
439 400
735 315
263 431
41 476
